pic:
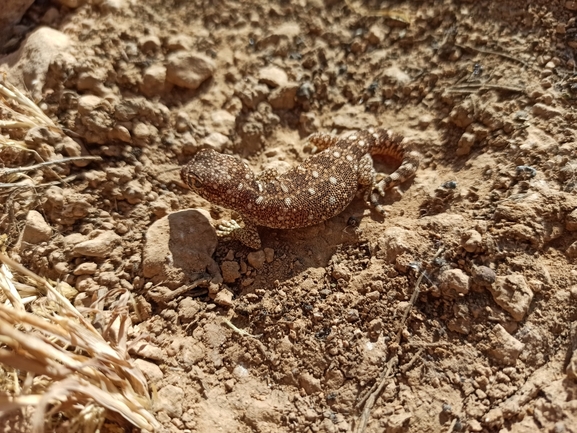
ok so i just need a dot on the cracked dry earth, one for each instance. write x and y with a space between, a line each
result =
297 336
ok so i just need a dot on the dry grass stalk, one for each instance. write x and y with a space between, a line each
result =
29 115
86 372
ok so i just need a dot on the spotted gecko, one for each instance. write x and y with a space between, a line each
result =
316 190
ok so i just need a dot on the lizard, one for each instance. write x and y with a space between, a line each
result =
321 187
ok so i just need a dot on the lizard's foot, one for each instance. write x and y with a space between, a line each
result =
247 235
227 227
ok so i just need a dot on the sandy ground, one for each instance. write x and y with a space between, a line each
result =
318 332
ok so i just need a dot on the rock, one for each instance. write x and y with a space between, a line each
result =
148 350
28 66
483 276
512 294
504 347
284 97
89 103
376 34
153 80
149 43
35 231
222 121
179 248
396 241
454 282
471 241
170 400
571 221
494 417
256 259
230 271
120 133
545 111
251 93
309 383
394 75
12 12
87 268
213 335
475 425
192 353
272 76
398 422
100 244
461 115
189 69
151 371
188 310
269 255
425 120
571 250
334 379
224 298
40 135
571 369
216 141
352 315
179 42
73 239
465 143
341 272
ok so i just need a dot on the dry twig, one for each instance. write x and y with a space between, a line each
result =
367 402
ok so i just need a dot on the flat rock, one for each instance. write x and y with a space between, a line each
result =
179 249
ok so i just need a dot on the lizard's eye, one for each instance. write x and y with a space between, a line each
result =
193 181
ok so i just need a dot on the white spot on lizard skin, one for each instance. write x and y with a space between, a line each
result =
333 180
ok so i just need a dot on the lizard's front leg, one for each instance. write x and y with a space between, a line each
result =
247 235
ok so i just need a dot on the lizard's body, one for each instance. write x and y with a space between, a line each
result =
316 190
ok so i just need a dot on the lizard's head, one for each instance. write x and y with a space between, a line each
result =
216 177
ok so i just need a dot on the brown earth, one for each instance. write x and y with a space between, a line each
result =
486 232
